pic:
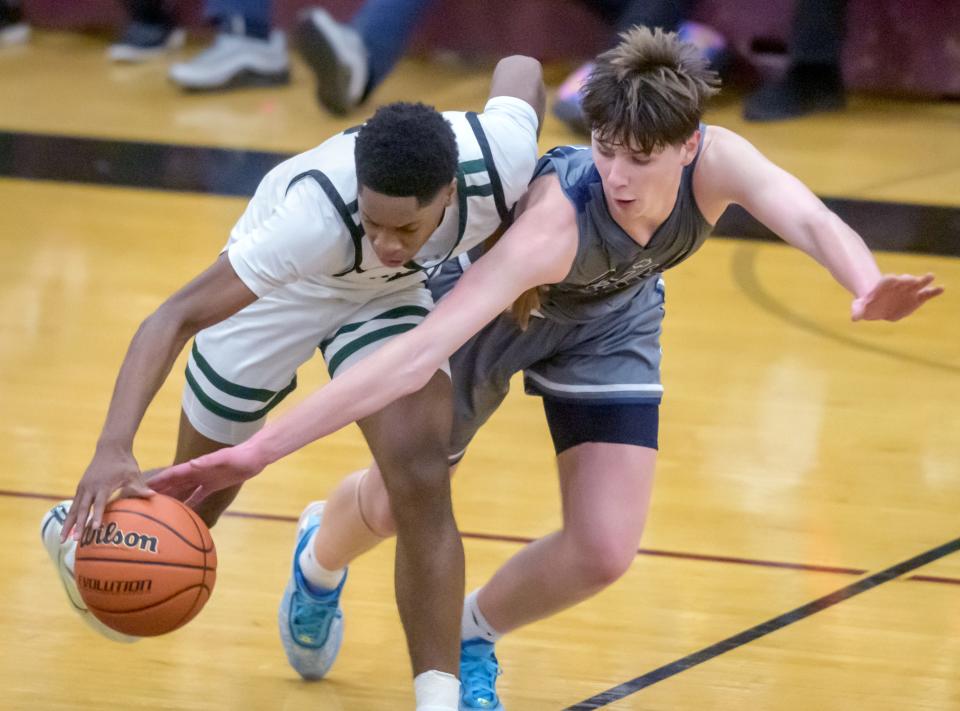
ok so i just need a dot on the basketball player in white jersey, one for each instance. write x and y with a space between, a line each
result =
333 251
593 235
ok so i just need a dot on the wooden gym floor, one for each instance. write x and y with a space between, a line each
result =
806 461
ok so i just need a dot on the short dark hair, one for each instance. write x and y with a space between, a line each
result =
406 150
649 91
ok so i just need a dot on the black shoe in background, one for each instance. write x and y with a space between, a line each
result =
806 89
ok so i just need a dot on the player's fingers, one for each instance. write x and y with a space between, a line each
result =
171 480
82 506
150 473
165 476
198 495
857 309
925 295
99 504
69 521
207 461
136 489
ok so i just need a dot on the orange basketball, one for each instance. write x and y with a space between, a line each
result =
149 568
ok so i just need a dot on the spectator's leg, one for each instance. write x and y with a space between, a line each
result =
813 81
151 32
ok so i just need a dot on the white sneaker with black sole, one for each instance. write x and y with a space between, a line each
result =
338 57
63 556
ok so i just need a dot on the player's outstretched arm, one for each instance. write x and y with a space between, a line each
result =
538 249
215 294
732 170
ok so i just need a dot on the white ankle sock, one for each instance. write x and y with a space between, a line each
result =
474 624
437 691
315 574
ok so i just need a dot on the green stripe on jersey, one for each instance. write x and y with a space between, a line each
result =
473 166
479 190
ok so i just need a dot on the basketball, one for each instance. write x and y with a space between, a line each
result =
149 568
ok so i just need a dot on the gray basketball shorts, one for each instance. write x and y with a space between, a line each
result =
612 360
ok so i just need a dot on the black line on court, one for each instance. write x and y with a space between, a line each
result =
754 633
893 226
743 266
888 226
134 164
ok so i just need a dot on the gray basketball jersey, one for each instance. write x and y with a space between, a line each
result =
610 268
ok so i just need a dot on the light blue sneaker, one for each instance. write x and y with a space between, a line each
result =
311 626
479 670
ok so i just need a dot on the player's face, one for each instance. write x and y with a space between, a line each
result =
398 227
636 183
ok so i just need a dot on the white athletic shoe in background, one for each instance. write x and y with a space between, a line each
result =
235 60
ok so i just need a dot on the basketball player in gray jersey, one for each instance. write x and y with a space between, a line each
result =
581 266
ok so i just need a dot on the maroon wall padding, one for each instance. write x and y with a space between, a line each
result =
893 46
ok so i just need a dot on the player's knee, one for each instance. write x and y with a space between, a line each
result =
418 486
377 514
603 557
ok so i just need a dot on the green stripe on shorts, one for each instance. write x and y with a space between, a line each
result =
225 385
399 312
228 413
372 337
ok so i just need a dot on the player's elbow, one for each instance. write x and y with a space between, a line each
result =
522 77
520 65
174 319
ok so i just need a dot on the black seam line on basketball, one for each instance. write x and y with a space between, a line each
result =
743 267
502 538
161 563
765 628
158 602
162 523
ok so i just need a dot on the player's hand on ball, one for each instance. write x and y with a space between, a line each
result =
895 296
194 481
112 469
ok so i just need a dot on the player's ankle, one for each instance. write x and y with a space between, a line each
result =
436 691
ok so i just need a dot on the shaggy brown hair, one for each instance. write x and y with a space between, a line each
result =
649 91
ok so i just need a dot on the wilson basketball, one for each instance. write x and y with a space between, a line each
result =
149 568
